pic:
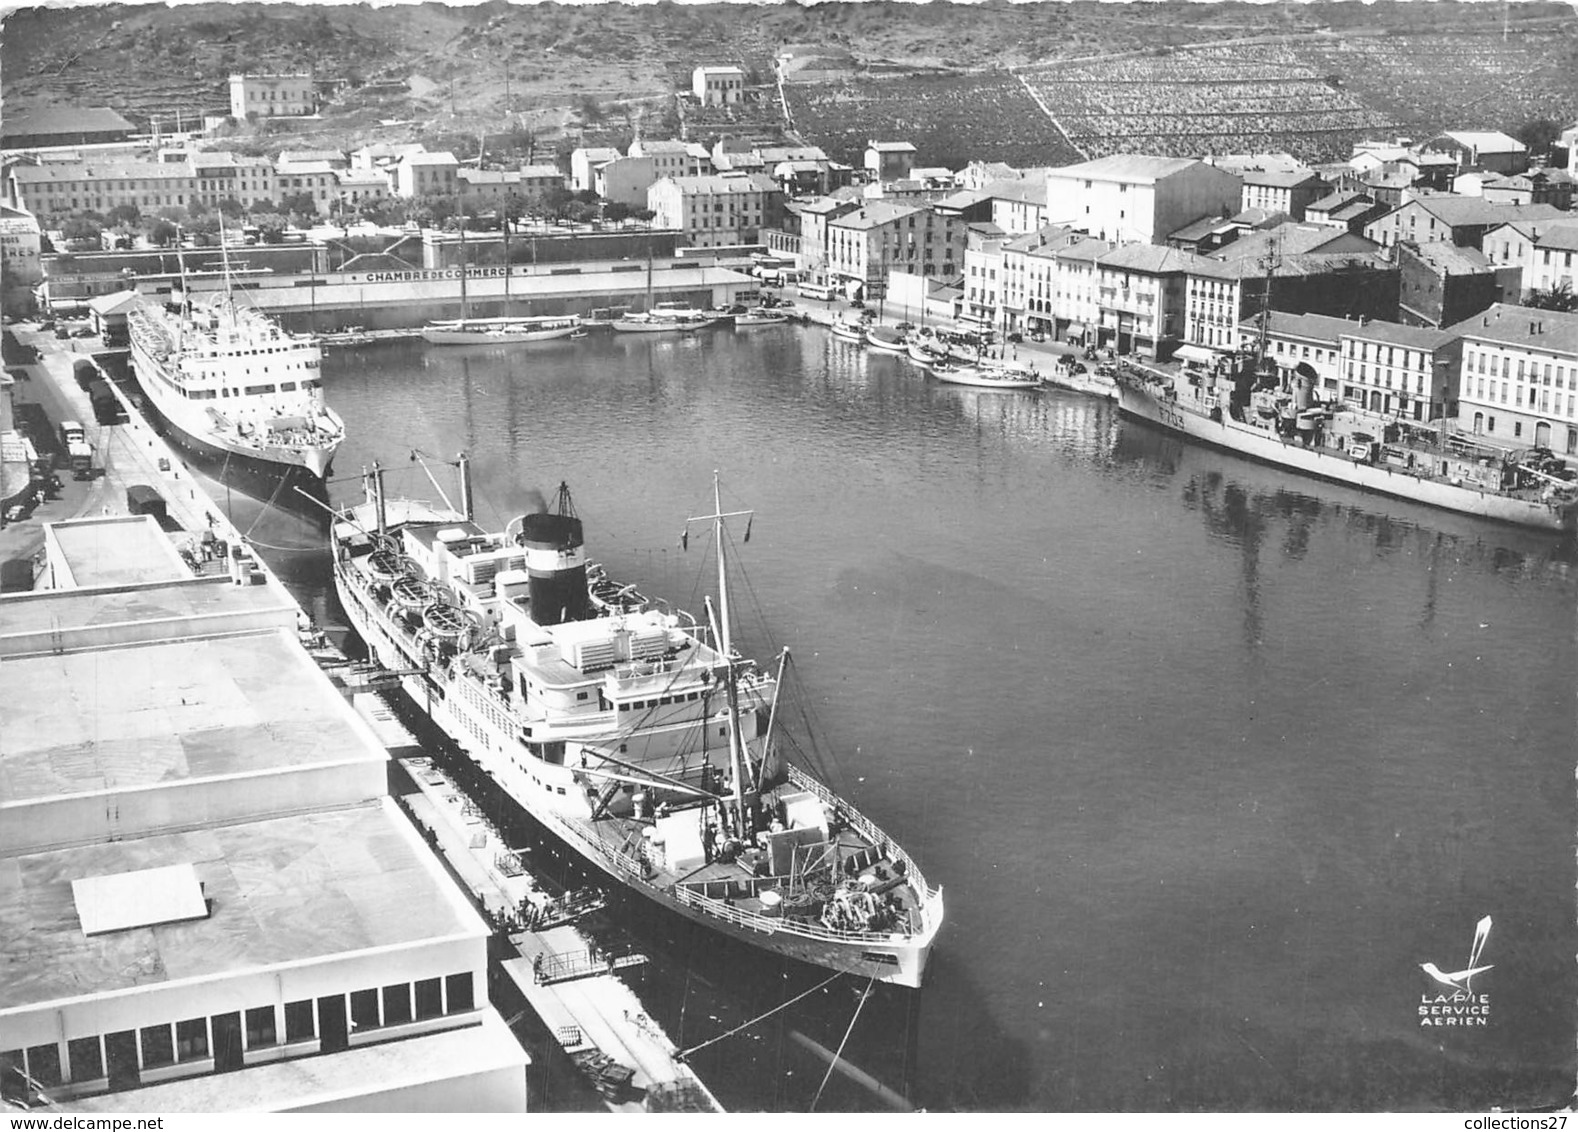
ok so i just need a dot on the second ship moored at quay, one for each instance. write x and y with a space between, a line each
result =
635 735
1287 427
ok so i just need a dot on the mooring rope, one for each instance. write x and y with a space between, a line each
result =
685 1053
831 1065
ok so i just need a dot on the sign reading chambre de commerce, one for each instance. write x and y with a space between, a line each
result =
427 275
1453 1001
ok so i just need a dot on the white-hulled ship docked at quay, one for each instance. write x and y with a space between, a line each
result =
235 389
635 735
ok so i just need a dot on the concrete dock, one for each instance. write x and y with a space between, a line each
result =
595 1014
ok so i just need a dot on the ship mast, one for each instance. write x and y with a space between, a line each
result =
726 646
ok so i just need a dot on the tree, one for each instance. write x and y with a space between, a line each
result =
162 232
1557 297
271 226
258 206
204 230
298 204
580 212
591 110
231 208
82 228
615 211
124 214
1539 134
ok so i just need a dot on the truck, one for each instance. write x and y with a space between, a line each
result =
79 453
106 406
144 500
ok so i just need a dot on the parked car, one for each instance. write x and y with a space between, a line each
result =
1016 337
62 332
83 332
857 304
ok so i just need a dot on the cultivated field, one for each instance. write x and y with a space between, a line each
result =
1195 101
951 119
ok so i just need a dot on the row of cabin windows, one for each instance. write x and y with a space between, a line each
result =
642 705
251 390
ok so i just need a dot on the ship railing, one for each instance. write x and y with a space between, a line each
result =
639 868
862 825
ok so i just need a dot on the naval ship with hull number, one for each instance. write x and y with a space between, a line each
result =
635 734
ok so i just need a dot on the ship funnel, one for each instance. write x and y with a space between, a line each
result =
556 567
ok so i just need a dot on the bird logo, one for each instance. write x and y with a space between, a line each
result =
1463 980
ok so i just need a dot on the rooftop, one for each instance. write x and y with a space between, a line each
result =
1340 199
64 120
1562 236
1154 258
1486 141
1306 327
443 157
1460 211
102 170
1449 259
1396 334
714 184
875 214
120 550
892 147
1131 167
283 890
1512 325
110 719
1279 178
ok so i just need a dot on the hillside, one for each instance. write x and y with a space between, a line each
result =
1027 83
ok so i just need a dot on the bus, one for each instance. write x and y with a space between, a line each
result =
818 291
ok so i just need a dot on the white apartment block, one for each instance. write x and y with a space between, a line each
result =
271 96
1129 198
1519 377
864 245
426 174
716 211
718 86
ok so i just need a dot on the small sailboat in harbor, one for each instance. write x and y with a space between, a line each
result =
886 339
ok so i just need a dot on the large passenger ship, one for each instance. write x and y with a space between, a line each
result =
634 734
237 391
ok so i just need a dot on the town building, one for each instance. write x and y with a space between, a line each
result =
1441 283
1289 191
1408 372
584 163
864 245
1310 344
625 180
272 96
1538 186
334 158
1290 238
426 174
1510 248
202 857
21 262
1490 150
222 176
57 189
1519 380
889 161
63 126
718 86
1076 305
1140 292
1132 198
1462 220
316 179
382 156
1030 277
1220 294
1345 208
717 211
1207 235
815 216
1550 264
361 186
1019 204
672 158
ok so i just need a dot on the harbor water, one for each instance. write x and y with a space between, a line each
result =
1209 759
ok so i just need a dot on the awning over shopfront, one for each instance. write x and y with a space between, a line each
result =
1075 330
1195 354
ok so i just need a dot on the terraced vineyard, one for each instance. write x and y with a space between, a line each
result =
1195 101
1470 82
951 119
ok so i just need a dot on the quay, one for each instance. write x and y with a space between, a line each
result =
237 627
